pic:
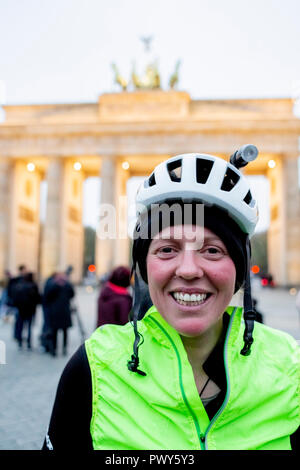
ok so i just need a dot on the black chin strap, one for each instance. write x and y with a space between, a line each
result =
133 363
249 313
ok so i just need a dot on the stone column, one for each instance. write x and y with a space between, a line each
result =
50 252
72 243
292 219
106 232
24 226
122 242
277 229
6 169
284 231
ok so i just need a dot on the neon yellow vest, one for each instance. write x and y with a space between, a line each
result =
163 410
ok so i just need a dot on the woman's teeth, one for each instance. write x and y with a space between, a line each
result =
189 299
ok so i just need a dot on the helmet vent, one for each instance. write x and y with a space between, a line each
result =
150 181
230 180
175 170
248 198
203 169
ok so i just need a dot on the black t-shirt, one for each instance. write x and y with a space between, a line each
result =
69 426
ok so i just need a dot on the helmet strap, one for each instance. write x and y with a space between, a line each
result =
133 363
249 312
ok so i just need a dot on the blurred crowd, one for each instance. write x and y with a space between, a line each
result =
21 295
20 298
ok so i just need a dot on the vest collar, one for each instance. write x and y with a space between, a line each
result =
163 332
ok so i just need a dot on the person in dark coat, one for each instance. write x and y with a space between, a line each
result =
56 300
115 302
46 333
26 297
11 288
4 300
22 271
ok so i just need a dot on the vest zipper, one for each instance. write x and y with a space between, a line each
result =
214 419
201 436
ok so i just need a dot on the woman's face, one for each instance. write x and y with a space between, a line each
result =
191 278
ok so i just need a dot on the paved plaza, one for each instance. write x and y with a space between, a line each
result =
29 379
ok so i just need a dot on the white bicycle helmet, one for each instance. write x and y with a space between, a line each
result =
201 177
223 189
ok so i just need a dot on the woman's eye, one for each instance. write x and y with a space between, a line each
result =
166 250
213 250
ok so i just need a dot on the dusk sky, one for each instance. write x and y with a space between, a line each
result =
61 51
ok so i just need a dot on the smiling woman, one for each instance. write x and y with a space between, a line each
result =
202 374
191 283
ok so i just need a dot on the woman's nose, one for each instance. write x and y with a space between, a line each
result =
189 265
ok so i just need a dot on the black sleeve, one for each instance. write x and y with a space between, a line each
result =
295 440
69 426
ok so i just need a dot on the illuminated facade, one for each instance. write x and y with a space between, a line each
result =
123 135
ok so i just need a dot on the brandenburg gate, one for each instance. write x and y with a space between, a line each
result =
140 128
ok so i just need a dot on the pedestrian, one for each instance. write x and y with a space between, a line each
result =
114 301
11 294
4 300
26 297
56 300
46 333
22 270
195 372
12 281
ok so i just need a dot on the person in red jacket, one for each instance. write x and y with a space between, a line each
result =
115 301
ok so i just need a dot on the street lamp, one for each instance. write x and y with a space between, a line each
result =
77 166
271 163
30 167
